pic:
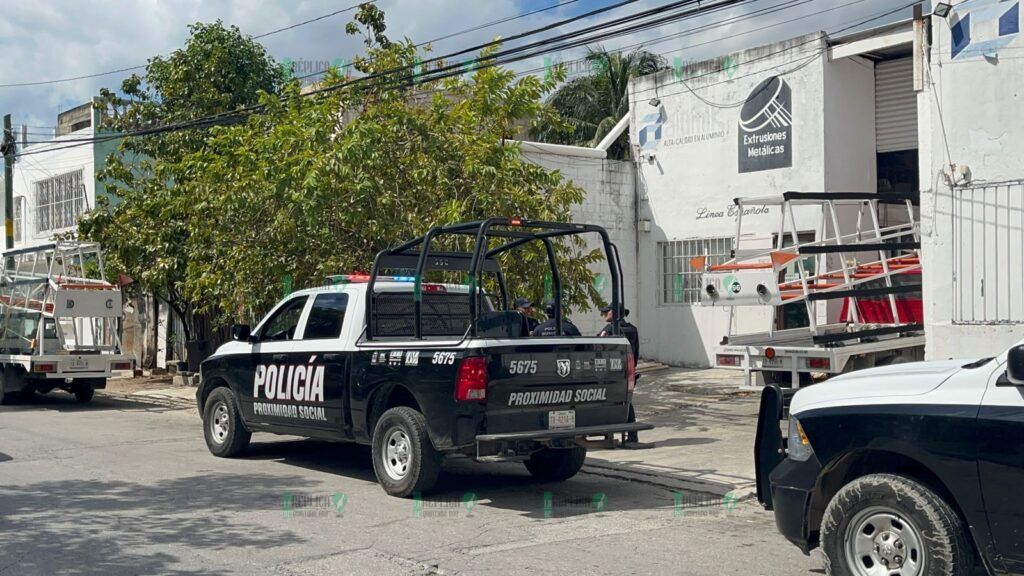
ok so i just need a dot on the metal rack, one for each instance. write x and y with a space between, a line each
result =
853 258
63 282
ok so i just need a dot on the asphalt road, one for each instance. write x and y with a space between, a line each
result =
123 487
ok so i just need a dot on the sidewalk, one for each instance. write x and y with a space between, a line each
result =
704 435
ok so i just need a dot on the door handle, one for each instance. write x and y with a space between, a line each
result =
279 357
332 356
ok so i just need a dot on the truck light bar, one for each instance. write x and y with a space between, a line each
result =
359 278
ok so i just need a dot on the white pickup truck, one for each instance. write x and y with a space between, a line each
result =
913 469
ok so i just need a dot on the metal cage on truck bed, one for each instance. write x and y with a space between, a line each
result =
416 258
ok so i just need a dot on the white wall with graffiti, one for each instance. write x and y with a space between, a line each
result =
755 123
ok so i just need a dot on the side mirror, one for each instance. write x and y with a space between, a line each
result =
241 332
1015 365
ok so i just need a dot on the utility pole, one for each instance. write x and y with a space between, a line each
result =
8 149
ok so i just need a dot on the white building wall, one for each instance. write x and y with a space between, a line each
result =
43 161
691 174
980 123
609 202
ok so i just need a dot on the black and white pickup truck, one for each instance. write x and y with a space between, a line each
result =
910 470
422 369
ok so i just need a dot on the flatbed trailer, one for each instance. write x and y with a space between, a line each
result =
878 267
58 322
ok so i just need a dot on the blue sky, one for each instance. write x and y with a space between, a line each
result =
51 39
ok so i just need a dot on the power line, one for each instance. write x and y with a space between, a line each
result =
817 53
140 66
311 20
492 43
215 119
494 61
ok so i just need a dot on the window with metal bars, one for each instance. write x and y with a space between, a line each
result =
60 200
680 281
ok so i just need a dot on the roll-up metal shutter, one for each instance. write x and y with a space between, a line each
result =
895 105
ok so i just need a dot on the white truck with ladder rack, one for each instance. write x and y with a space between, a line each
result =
873 269
59 321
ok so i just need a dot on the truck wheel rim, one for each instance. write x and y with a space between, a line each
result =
220 424
882 542
397 454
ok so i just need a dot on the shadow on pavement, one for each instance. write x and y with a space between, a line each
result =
61 401
344 459
114 527
5 457
464 483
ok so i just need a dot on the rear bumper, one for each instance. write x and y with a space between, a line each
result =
579 432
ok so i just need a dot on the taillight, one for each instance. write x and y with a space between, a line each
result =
471 381
728 360
630 372
45 368
819 363
120 365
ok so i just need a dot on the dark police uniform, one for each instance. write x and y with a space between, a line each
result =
629 331
548 328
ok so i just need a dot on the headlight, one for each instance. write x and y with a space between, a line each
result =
799 446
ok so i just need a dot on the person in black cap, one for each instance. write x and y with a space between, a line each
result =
628 330
633 336
549 327
525 307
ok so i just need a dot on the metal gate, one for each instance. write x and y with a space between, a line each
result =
988 253
895 106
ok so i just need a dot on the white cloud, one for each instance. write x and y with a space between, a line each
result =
52 39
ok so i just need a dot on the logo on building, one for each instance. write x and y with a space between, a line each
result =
766 127
649 133
983 27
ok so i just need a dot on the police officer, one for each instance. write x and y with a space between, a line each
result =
628 330
549 328
525 307
633 336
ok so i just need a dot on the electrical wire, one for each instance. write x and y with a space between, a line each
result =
491 62
234 115
141 66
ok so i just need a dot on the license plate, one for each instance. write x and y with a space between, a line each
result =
558 419
79 363
772 362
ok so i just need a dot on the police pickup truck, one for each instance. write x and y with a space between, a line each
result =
913 469
421 369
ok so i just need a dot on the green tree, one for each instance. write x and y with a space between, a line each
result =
300 192
594 103
223 221
147 218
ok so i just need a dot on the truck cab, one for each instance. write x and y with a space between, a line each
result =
420 371
910 469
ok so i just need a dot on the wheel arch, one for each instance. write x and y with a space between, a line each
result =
390 396
858 463
208 386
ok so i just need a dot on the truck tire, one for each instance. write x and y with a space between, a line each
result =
226 434
895 522
404 459
83 393
556 464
